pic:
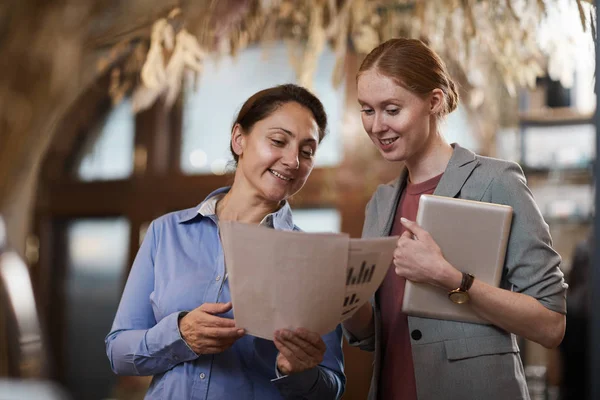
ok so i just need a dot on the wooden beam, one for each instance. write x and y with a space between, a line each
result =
70 199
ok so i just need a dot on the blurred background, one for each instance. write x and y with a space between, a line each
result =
113 113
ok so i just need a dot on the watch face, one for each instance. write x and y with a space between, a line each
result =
459 297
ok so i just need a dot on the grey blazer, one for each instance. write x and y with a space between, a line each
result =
456 360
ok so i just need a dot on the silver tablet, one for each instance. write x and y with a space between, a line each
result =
473 236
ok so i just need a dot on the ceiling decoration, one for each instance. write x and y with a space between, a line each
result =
476 38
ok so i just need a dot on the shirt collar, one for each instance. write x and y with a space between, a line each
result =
280 219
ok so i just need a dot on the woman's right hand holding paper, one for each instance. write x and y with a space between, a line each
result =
207 333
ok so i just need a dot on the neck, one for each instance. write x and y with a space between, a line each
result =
431 161
238 206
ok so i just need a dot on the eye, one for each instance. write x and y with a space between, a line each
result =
307 153
367 111
392 111
277 142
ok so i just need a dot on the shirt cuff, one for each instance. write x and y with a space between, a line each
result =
298 383
278 373
165 339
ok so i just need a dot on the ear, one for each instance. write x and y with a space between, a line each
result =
238 141
436 102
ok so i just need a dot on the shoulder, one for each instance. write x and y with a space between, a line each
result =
173 219
498 166
177 216
508 175
499 173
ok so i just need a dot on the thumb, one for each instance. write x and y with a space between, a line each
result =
216 308
407 234
412 227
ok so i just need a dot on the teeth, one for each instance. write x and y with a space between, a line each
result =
387 141
277 174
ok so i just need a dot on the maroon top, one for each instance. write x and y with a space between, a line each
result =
397 379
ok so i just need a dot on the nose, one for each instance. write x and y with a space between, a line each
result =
290 159
379 125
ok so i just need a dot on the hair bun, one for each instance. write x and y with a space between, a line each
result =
452 96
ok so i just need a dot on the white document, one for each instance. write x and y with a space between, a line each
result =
289 280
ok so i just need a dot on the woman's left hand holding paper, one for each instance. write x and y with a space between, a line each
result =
299 350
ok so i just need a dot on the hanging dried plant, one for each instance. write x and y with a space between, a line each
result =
160 77
476 37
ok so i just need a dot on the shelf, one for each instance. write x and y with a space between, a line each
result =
555 116
571 172
568 220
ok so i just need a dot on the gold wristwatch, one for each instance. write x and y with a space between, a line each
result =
461 294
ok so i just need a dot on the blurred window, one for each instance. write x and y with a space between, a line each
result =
458 129
96 258
108 154
561 146
227 82
318 219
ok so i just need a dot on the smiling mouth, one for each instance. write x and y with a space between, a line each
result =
387 142
278 175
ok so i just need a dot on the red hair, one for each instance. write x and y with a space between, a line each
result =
414 66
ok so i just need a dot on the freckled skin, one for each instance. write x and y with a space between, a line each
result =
389 111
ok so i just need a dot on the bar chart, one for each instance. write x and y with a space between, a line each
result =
351 302
365 274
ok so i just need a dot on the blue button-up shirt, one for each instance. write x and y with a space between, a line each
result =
180 266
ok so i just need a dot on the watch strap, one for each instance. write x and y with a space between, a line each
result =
467 282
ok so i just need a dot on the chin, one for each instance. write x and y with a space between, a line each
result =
275 195
394 156
274 191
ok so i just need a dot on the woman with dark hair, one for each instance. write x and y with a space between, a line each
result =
175 319
405 92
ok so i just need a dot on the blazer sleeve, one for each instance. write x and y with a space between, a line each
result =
368 342
532 266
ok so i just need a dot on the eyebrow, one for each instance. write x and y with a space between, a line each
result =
283 129
277 128
389 100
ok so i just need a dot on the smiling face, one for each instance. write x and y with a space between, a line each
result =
398 121
277 155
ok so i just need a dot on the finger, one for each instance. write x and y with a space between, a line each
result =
284 366
399 270
397 253
418 232
216 308
311 337
223 333
306 346
203 343
217 322
302 350
407 234
288 353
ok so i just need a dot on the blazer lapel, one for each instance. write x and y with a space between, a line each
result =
461 165
387 202
459 168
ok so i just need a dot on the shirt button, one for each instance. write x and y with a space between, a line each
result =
218 278
416 334
202 376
